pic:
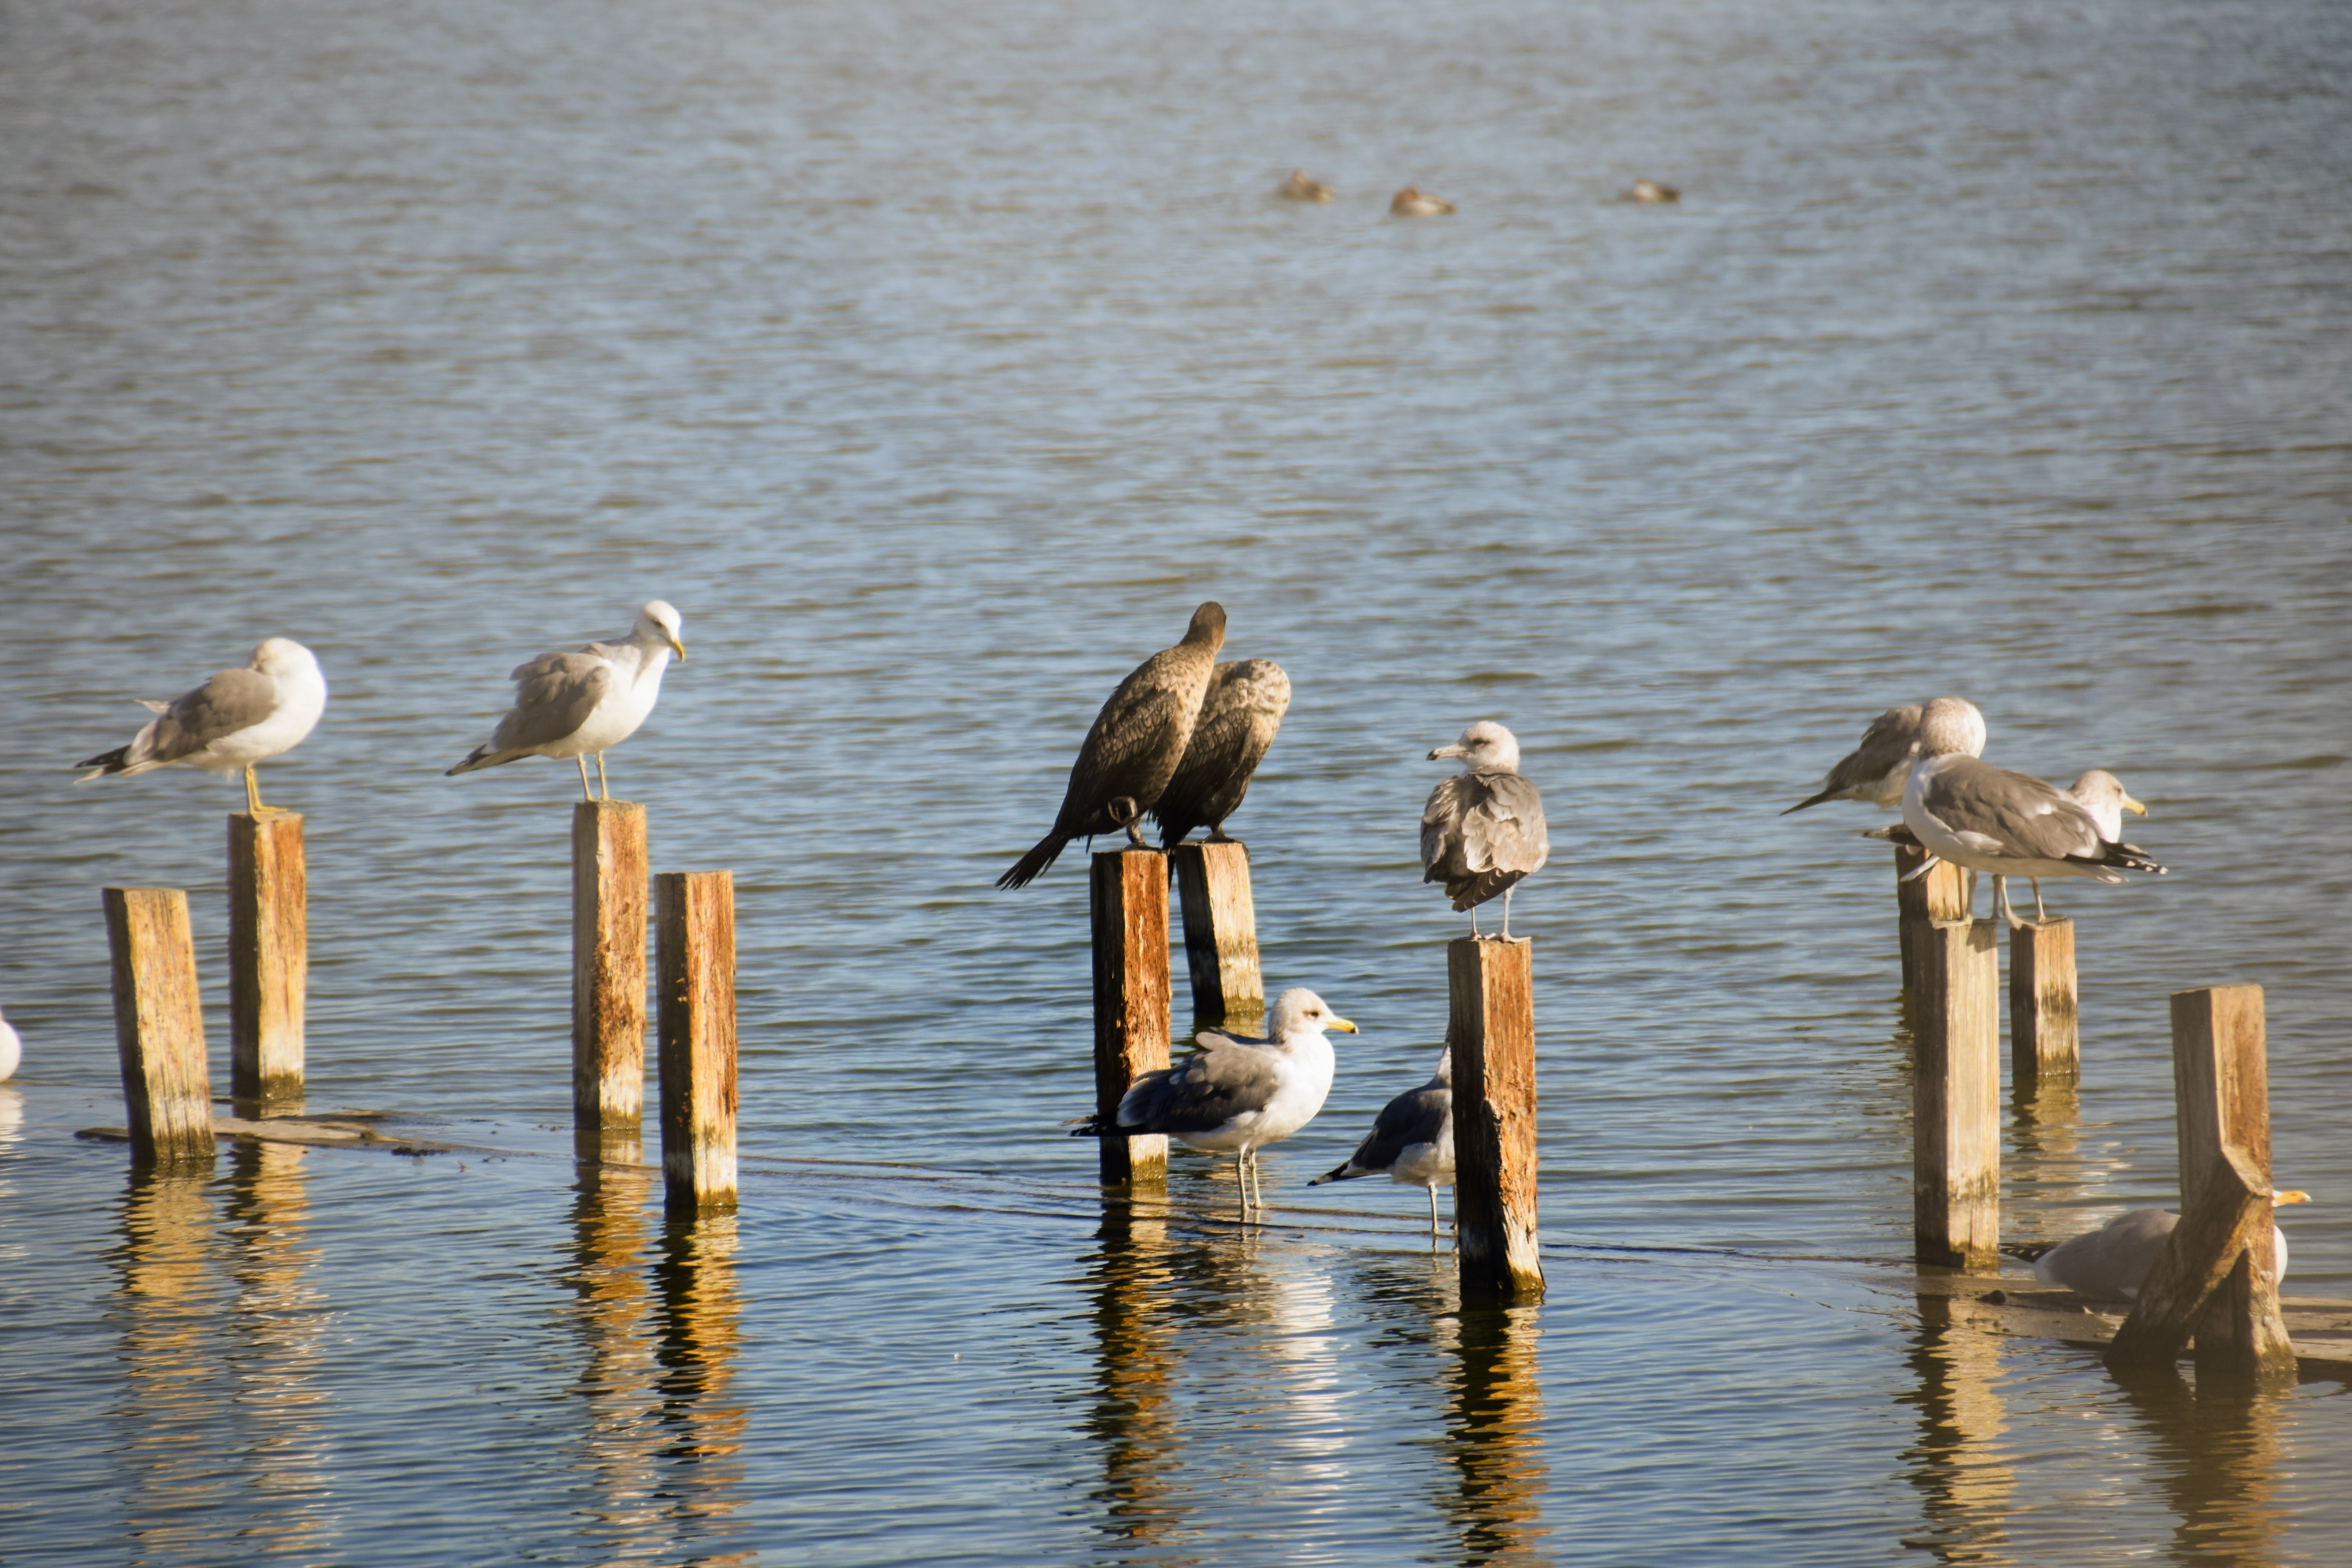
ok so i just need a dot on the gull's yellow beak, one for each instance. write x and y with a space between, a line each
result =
1341 1023
681 650
2134 806
2292 1195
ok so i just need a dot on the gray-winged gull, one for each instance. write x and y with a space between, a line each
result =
580 704
1483 830
2098 791
1242 709
2111 1263
12 1050
1876 770
1411 1140
2007 823
1134 745
239 719
1236 1093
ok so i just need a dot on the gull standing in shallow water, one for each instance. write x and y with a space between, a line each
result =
1483 830
2111 1263
1411 1140
579 704
1876 770
1236 1093
237 718
2008 823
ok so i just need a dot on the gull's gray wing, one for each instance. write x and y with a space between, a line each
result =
1481 833
2002 812
2111 1263
232 701
1202 1092
1886 745
1416 1116
554 694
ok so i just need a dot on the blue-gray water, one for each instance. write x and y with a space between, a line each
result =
935 360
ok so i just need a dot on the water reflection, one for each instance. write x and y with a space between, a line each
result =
167 1300
2046 1121
2216 1451
1495 1435
280 1320
1133 1417
607 1275
1963 1477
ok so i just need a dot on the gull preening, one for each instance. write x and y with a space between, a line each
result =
1876 770
1482 832
1245 701
236 721
2111 1263
2007 823
580 704
1237 1093
1134 746
1411 1140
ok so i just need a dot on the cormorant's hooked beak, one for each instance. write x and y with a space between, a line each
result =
1447 752
678 645
1343 1023
2134 806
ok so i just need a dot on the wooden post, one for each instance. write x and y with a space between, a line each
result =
268 956
159 1025
1212 881
1946 892
2220 1080
697 959
608 971
1492 1029
2044 1040
1955 1098
1129 896
2225 1225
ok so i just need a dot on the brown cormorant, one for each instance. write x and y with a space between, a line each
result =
1246 700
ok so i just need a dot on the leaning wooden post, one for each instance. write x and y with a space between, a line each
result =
2043 1038
268 956
1213 882
1492 1029
2210 1256
159 1025
608 971
1944 892
1955 1098
2220 1080
695 944
1129 896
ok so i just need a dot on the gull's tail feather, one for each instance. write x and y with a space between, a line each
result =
2130 856
114 762
1816 800
2031 1251
1345 1171
1026 870
1095 1127
482 757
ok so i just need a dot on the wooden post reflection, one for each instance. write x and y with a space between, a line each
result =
168 1301
611 1237
280 1318
1496 1438
699 1337
2216 1451
1133 1418
1963 1478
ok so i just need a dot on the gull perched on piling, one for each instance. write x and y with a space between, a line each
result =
1483 830
1134 746
1237 1093
1244 708
2008 823
579 704
1411 1140
2111 1263
1876 770
235 721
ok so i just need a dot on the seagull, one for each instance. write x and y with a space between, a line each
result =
1300 188
1411 1140
2098 791
1132 750
1236 1093
1410 202
1876 770
580 704
1483 830
1244 708
2111 1263
12 1050
232 722
2008 823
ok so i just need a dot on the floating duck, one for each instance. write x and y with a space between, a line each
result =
1410 202
1300 188
1652 193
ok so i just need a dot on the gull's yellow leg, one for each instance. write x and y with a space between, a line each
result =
585 793
603 788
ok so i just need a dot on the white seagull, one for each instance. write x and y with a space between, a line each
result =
579 705
1482 831
237 718
1411 1140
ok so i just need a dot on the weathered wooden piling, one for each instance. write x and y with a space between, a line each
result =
268 956
1955 1097
608 970
1492 1029
1212 883
1945 893
695 916
159 1026
1128 899
2043 1038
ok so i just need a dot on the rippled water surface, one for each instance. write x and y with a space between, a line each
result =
936 361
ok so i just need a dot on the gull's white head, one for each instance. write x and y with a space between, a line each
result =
1949 724
2099 787
660 619
1484 748
283 658
1299 1012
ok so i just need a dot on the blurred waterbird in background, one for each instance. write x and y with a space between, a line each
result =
2008 823
1300 188
1237 1093
1244 708
1134 745
2111 1263
239 719
1482 831
1876 770
1650 192
1410 202
580 704
1411 1140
